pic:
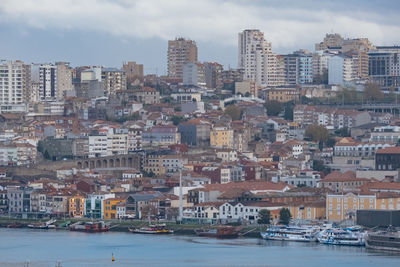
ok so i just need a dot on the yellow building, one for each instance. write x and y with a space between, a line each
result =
110 207
282 95
388 201
221 137
308 211
341 207
76 206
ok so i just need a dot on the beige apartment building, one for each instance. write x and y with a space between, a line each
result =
114 80
180 52
134 72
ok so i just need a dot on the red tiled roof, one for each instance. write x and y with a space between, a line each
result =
247 185
382 185
389 150
208 204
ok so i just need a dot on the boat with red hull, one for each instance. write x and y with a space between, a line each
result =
90 227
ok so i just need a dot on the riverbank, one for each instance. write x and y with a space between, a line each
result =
123 225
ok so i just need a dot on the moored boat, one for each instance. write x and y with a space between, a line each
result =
90 227
290 233
15 225
45 225
341 237
152 229
219 232
383 240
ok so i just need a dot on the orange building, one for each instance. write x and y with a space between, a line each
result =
308 211
110 207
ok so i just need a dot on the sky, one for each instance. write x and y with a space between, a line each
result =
108 32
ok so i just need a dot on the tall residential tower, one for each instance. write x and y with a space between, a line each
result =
180 52
256 59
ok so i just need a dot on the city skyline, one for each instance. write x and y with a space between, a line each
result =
52 32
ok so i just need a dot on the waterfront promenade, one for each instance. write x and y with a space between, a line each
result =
46 248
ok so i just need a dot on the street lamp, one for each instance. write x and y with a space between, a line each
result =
180 196
180 218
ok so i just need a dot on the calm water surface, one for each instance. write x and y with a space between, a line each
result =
45 248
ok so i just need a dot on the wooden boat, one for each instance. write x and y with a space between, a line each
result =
90 227
44 226
151 229
220 232
14 225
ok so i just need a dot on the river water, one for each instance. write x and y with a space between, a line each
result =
27 247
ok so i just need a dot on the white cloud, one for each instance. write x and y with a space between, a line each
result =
206 20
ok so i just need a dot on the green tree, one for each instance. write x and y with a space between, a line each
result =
321 78
289 106
317 133
233 111
40 146
372 92
166 99
176 120
46 154
325 76
318 165
273 107
264 217
343 132
148 174
391 96
284 216
331 142
347 95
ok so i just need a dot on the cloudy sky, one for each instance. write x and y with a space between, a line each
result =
107 32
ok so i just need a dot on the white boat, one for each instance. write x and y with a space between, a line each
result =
290 233
45 225
341 237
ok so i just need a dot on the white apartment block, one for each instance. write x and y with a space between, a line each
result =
134 138
256 58
341 69
114 141
320 61
388 134
8 155
241 211
194 73
117 143
358 149
98 146
12 82
48 82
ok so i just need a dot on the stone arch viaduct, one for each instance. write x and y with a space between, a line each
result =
110 162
